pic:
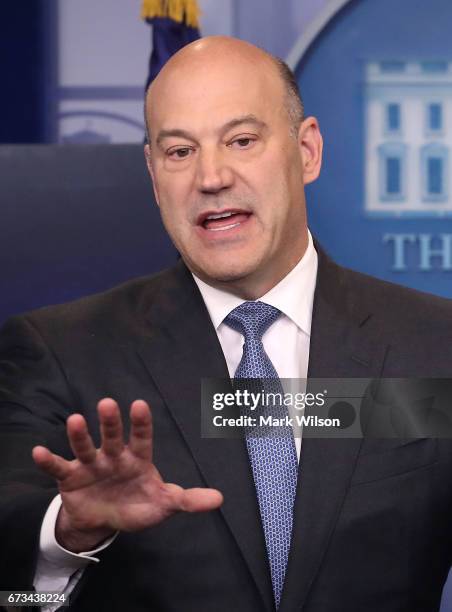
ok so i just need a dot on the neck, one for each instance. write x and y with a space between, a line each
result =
253 287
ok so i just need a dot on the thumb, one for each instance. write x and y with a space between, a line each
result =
197 499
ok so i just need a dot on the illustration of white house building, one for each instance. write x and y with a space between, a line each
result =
408 115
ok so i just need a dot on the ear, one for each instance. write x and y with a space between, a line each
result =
147 155
310 142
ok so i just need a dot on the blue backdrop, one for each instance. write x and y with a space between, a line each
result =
408 46
75 220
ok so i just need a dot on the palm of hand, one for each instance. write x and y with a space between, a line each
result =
125 491
117 487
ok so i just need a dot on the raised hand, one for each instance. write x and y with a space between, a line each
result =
116 487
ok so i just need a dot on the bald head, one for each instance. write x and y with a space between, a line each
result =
221 54
228 173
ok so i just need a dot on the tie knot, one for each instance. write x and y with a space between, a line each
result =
252 319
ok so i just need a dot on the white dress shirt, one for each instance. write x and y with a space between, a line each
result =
286 342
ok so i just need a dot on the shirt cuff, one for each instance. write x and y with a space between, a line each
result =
54 553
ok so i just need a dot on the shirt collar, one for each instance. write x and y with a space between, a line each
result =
293 295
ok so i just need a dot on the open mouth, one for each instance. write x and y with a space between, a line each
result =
223 221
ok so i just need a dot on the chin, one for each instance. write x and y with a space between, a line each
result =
222 273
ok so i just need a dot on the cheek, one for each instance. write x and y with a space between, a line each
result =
282 200
276 172
173 217
172 196
173 181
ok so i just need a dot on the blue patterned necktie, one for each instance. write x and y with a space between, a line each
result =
272 454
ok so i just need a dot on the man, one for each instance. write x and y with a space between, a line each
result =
229 154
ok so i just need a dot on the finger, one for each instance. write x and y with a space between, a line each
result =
140 441
196 499
79 439
110 427
201 500
54 465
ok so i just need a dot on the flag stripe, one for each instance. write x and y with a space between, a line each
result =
182 11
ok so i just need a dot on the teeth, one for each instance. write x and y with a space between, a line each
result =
222 229
222 216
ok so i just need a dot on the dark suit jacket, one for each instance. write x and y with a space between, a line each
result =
373 518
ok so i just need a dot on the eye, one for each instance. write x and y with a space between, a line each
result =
243 142
179 153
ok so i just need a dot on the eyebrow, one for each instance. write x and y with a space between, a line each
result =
178 133
244 119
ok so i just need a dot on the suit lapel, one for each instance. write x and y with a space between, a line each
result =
343 345
183 345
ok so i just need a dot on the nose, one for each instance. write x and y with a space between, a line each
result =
213 173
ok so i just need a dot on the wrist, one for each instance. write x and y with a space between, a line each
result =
78 540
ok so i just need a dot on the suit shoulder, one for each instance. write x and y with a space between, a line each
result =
396 310
129 300
389 289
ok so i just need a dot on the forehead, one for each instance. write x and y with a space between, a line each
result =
210 93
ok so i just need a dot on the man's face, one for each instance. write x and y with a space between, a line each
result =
228 174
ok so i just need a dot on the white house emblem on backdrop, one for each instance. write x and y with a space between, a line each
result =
408 114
